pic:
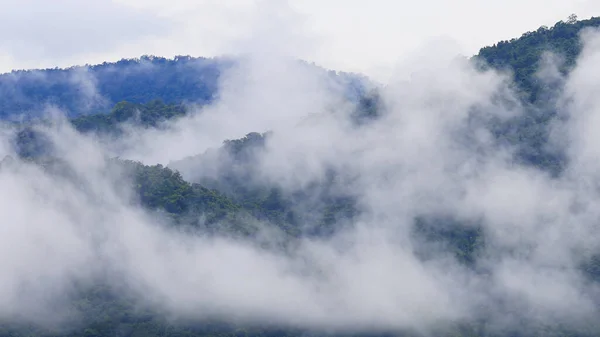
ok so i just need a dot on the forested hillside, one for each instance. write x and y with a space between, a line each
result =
523 56
89 89
149 92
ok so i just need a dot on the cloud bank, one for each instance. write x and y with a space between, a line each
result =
431 155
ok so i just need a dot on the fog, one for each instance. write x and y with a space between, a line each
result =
430 154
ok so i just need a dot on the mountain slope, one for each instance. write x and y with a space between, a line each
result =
85 89
82 90
523 55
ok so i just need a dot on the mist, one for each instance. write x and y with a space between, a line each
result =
430 155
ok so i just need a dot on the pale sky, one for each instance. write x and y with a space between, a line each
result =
351 35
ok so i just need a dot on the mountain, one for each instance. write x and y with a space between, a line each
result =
90 89
523 56
151 91
87 89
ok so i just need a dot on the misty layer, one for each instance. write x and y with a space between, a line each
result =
428 164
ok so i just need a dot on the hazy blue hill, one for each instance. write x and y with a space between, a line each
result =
85 89
88 89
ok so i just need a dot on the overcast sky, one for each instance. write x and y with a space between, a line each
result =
354 35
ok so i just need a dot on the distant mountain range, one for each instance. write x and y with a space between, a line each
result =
81 90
